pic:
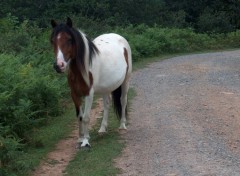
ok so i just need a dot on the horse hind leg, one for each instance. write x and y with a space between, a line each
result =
124 89
104 124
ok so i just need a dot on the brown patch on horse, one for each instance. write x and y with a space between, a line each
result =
77 102
126 57
76 81
78 88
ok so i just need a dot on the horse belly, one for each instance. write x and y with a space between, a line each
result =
110 75
110 67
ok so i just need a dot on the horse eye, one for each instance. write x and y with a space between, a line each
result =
69 42
52 40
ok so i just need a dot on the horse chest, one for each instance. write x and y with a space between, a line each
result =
78 86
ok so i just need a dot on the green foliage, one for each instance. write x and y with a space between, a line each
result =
25 91
27 98
10 152
224 15
30 92
15 36
214 22
148 41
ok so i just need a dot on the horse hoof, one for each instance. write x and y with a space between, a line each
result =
102 131
85 144
122 127
122 130
87 147
101 134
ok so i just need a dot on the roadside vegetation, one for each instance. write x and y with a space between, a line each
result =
35 102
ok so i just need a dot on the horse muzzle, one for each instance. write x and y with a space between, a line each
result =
58 68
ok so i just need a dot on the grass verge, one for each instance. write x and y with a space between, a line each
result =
45 138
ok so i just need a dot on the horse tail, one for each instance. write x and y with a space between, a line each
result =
116 99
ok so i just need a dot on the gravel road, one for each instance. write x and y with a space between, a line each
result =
185 119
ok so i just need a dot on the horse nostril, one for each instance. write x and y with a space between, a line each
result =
56 67
60 64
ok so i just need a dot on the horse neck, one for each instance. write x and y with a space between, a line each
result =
85 50
76 81
82 55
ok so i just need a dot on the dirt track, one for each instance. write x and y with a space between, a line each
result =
56 161
185 119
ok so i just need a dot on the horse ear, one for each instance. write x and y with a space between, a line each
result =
53 23
69 22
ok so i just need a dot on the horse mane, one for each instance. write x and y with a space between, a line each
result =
82 41
85 48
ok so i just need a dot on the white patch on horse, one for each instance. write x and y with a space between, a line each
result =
86 60
60 60
59 36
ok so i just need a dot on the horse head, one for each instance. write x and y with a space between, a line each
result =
63 42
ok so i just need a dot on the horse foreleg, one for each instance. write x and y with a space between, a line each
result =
80 126
104 123
86 119
79 113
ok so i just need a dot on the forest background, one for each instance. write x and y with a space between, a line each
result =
33 96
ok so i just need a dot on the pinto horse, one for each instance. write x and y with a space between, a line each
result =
102 66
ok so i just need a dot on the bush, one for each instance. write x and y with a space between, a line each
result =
211 21
152 41
30 92
26 93
10 152
28 98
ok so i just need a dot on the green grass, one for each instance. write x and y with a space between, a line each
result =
97 161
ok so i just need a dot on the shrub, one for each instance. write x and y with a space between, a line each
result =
211 21
10 152
28 98
152 41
